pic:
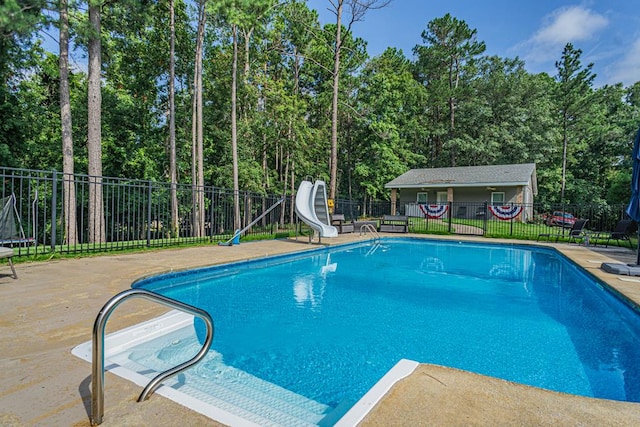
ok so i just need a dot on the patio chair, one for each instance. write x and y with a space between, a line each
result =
575 233
339 222
622 232
8 253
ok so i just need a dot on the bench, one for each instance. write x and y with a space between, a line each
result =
8 253
394 224
339 222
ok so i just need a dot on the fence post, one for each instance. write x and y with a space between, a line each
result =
485 218
211 207
450 216
512 219
54 218
149 214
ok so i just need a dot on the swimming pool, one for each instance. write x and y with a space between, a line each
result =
327 325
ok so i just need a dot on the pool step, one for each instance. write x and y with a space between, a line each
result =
233 390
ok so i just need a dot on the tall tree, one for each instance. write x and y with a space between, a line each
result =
606 130
510 117
19 20
446 58
69 189
254 17
197 166
356 11
378 149
244 18
94 132
234 127
572 93
173 174
135 117
295 29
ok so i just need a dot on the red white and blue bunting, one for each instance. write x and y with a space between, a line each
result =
434 211
505 213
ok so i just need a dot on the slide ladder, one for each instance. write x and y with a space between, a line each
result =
238 233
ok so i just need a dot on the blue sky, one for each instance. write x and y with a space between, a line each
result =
536 31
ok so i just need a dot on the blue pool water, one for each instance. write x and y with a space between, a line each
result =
328 324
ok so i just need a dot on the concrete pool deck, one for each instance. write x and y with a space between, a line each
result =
52 306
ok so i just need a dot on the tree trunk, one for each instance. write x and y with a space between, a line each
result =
284 187
263 97
94 130
262 105
291 137
68 188
200 223
245 106
563 182
293 191
234 130
172 122
194 158
453 85
247 39
334 105
365 211
197 165
265 164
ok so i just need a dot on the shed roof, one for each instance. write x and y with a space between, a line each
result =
468 176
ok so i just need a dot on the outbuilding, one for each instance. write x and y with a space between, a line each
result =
467 187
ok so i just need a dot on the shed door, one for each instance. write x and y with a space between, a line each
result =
441 199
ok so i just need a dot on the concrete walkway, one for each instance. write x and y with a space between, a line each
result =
52 306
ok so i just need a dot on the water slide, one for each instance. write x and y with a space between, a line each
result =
311 207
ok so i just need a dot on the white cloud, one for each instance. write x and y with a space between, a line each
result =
564 25
569 25
627 70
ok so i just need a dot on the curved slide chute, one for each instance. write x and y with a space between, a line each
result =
312 208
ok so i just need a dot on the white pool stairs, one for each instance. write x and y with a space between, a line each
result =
212 387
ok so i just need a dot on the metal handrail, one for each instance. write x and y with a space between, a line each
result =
370 228
97 375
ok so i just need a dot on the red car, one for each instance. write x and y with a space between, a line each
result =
561 219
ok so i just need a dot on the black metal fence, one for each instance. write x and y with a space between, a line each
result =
353 209
138 213
520 221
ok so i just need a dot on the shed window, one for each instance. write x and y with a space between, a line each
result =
422 198
497 198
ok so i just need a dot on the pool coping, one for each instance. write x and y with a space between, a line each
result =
363 407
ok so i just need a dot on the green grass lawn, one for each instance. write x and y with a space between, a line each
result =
495 229
505 230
